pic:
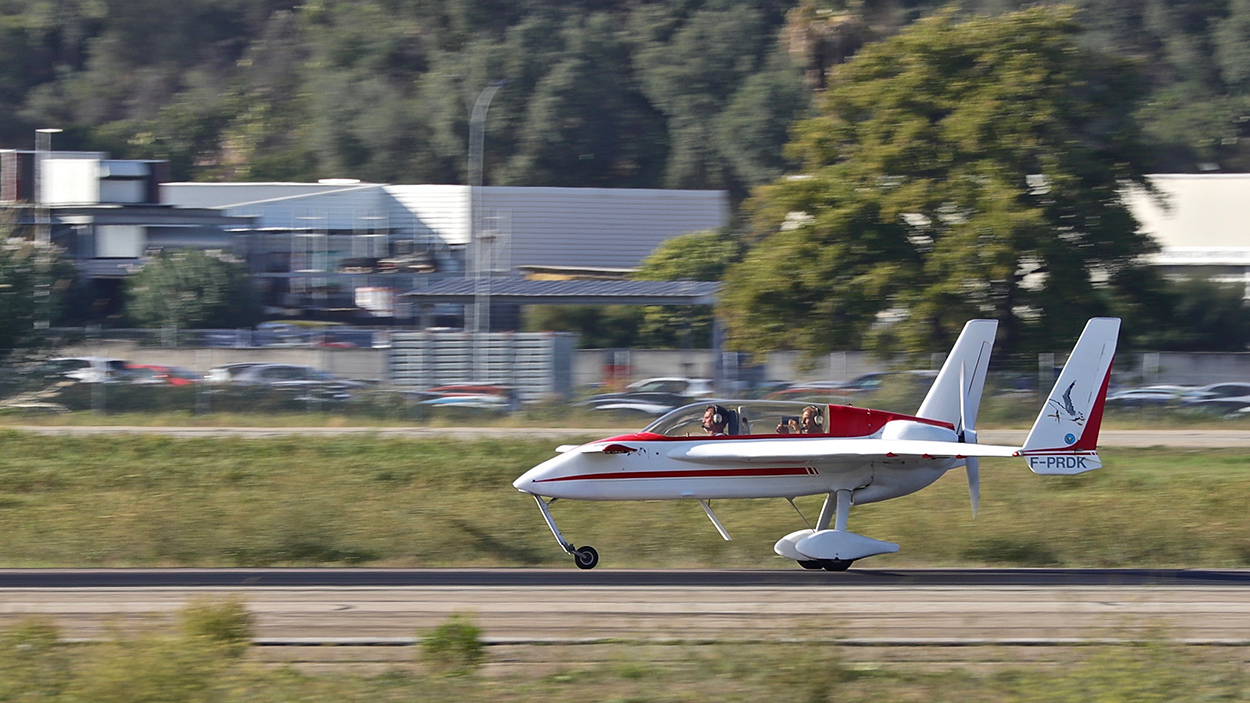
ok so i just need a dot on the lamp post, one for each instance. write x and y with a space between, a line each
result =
481 274
43 232
43 145
481 270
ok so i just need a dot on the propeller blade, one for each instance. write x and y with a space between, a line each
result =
974 483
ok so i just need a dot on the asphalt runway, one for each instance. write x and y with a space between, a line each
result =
932 607
616 578
1196 439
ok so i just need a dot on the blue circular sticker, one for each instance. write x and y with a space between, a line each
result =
1069 438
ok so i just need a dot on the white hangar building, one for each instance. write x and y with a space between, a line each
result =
341 243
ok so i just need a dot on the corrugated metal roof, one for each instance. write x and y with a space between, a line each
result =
577 227
525 292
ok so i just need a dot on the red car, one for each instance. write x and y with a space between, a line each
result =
161 375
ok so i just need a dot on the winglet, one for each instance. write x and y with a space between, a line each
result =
1064 439
956 392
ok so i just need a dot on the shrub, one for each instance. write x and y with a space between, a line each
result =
226 622
33 663
455 647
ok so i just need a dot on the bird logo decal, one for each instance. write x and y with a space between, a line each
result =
1067 407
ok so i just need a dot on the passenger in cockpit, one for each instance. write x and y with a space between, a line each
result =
809 422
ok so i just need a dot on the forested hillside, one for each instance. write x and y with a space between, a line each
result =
671 93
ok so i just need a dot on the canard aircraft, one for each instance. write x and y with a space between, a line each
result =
715 450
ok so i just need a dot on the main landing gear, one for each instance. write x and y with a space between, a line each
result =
827 564
830 549
585 557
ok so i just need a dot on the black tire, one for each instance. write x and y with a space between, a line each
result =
811 565
585 557
837 564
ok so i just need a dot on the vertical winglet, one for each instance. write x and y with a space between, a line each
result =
955 395
1064 439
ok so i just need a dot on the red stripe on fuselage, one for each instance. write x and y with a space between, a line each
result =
689 473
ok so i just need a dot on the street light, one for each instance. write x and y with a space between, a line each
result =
43 231
43 145
477 138
481 279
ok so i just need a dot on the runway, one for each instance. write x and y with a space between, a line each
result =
938 607
616 578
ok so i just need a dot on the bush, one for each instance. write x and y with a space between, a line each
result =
33 663
455 647
225 622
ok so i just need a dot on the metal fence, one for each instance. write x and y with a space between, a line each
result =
536 365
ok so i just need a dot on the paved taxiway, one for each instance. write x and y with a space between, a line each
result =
381 606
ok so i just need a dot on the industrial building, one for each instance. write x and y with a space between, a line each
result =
342 244
342 248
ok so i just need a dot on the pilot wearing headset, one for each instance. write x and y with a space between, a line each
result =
715 419
809 422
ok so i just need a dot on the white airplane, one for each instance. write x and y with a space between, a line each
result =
854 456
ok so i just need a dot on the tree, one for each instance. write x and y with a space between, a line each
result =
959 169
189 288
700 256
587 122
32 277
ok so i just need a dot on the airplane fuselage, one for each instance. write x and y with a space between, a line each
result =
652 467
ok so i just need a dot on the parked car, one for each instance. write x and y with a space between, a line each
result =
678 385
153 374
863 385
306 380
280 334
1147 396
226 372
642 403
85 369
484 396
1220 398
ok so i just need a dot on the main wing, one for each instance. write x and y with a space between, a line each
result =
816 450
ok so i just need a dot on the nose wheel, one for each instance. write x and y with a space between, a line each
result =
586 557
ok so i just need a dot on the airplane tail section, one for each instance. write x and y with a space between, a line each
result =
1064 439
955 395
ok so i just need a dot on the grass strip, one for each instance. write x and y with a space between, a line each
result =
138 500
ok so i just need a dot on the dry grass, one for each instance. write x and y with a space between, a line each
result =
366 499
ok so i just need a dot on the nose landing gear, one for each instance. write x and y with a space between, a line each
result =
586 557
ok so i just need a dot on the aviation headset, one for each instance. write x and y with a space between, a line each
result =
718 414
820 419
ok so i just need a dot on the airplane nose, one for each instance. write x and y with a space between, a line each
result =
525 482
532 481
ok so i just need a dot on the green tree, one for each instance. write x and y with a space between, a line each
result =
188 288
32 279
700 256
689 68
959 169
587 122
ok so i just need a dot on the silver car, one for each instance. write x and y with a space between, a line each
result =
306 380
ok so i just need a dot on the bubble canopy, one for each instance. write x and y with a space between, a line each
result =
745 418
